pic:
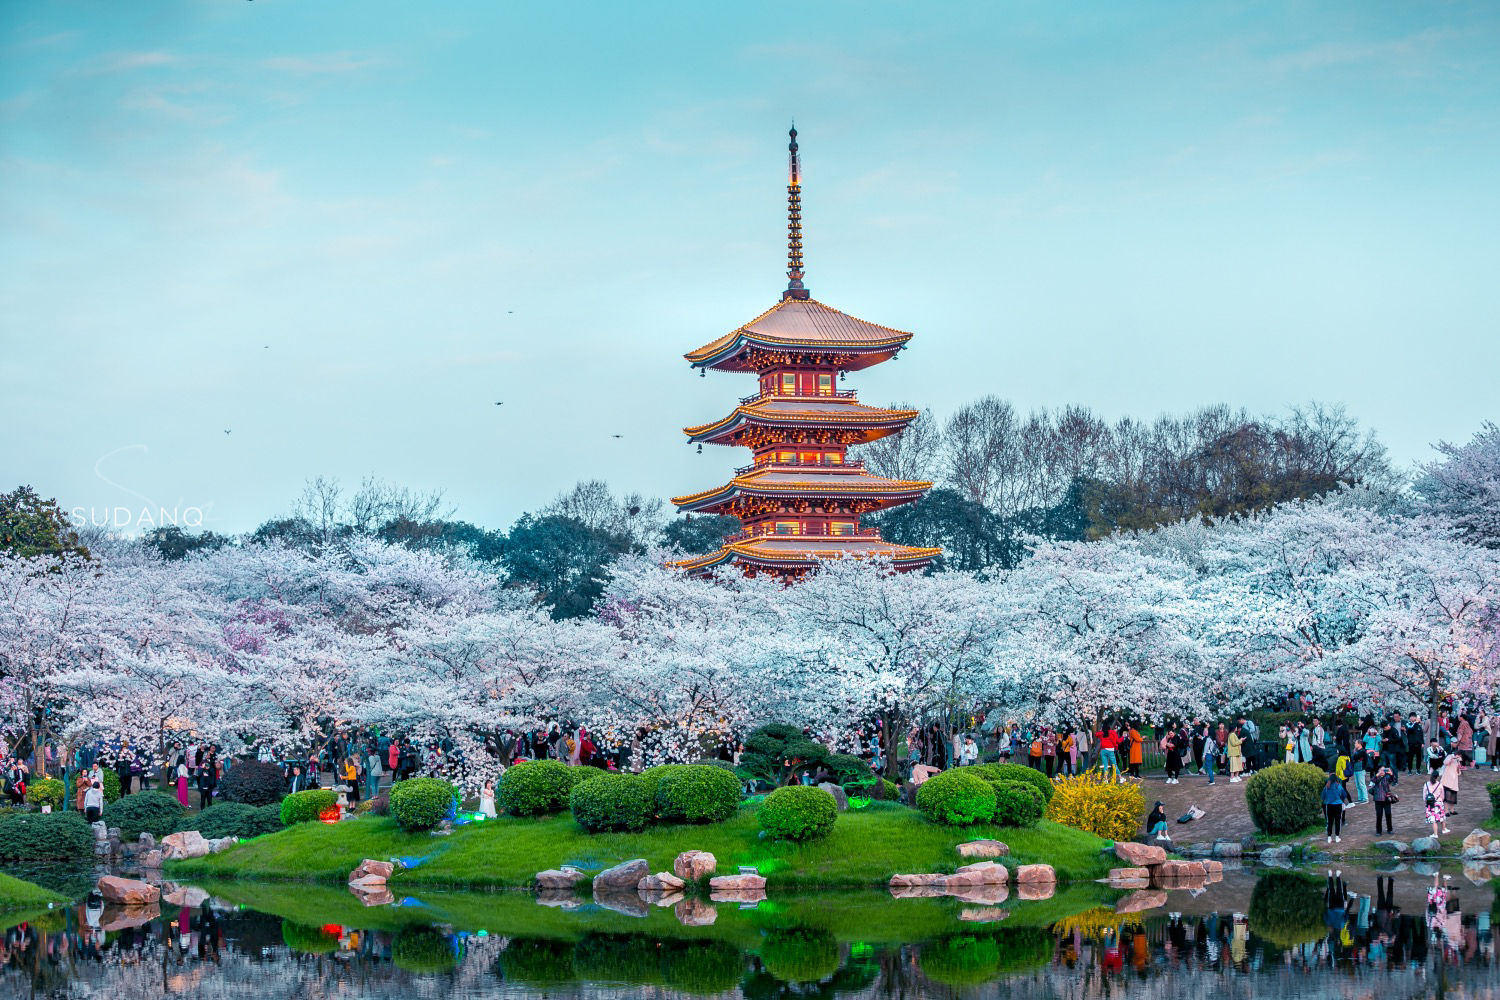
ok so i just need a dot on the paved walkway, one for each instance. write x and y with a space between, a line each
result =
1228 818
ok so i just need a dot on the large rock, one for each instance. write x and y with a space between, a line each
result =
661 882
1115 874
1477 838
559 878
983 849
1227 849
1143 899
1036 890
218 844
986 873
189 896
623 877
371 869
917 891
925 878
695 913
150 859
180 846
101 832
1472 853
1139 855
1425 845
693 865
1130 883
128 891
840 799
1035 875
1179 869
737 883
1277 857
745 897
1213 869
1392 846
146 842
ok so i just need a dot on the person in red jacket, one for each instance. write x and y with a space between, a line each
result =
1108 739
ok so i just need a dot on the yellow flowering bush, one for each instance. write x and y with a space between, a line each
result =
1093 802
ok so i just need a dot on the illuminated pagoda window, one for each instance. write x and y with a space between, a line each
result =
800 502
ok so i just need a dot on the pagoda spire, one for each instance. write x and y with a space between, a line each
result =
794 288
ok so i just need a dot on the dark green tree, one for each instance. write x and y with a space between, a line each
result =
31 526
972 536
480 543
174 543
777 753
563 558
695 535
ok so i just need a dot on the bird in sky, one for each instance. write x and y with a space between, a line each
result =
501 403
619 435
226 432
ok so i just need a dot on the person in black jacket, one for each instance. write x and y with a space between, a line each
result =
123 768
1414 743
207 779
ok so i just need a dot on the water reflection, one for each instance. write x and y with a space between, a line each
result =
1281 934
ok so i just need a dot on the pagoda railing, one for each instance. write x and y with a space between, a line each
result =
856 465
773 394
811 532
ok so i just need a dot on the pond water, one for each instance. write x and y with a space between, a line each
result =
1265 934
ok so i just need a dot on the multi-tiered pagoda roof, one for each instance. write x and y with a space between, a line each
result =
801 499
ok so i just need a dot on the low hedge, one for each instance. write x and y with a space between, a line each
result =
798 812
698 795
957 797
46 792
308 806
614 802
420 803
1494 789
253 782
424 950
153 812
233 819
800 954
536 787
59 836
1285 798
1018 803
1017 772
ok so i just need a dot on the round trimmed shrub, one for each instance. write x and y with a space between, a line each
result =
611 802
153 812
253 782
420 803
705 966
654 776
1285 798
800 954
46 792
1286 908
961 959
233 819
632 959
308 806
59 836
1018 803
698 795
957 797
723 765
798 812
1016 772
308 940
535 788
424 950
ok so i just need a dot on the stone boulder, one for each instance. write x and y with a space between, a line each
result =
840 798
150 859
189 844
737 883
101 832
1472 854
1477 838
1036 890
1277 857
695 913
559 878
623 877
1129 883
1425 845
1228 849
983 849
1143 899
1214 869
1179 869
146 842
128 891
1115 874
917 891
218 844
1392 846
1035 875
693 865
925 878
979 873
745 897
189 896
371 869
661 882
1139 855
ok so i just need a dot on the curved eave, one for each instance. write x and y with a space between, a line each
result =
896 490
886 421
904 556
729 358
807 326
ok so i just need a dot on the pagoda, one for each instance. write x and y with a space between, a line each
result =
801 499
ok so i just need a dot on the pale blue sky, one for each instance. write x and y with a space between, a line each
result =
423 208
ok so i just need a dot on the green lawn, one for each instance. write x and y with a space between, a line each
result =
15 894
864 849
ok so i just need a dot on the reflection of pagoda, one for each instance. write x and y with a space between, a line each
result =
802 498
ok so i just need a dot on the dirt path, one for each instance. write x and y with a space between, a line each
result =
1229 819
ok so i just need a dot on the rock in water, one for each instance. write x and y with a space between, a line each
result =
693 865
623 877
189 844
737 883
128 891
661 882
1139 855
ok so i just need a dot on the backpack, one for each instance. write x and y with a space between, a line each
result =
1036 748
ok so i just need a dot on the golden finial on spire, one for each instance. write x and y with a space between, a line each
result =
794 289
